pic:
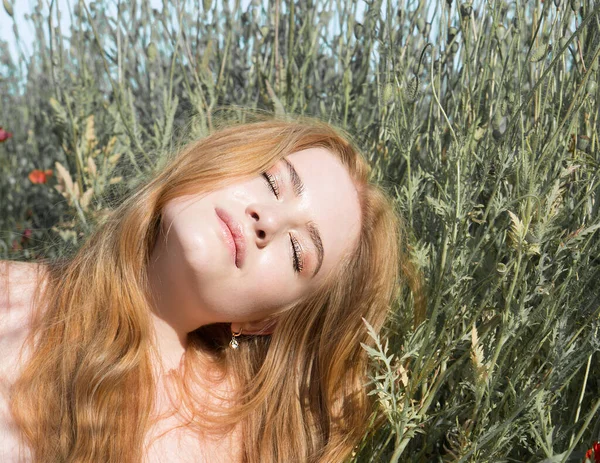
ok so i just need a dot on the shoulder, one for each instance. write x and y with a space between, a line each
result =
18 280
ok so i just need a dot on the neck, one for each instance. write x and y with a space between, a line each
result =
170 327
170 344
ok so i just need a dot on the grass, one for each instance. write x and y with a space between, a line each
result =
481 118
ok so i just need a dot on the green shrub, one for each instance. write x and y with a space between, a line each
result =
483 122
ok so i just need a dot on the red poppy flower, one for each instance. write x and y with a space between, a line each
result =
594 453
4 135
37 176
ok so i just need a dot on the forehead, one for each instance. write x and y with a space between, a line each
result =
332 201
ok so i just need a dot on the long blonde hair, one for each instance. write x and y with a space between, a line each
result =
86 393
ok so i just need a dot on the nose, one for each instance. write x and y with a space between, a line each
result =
268 221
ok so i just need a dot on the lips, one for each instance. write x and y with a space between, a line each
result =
237 234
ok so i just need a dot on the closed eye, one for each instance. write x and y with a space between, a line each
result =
272 184
297 257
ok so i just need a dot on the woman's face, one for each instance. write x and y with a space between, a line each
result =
250 250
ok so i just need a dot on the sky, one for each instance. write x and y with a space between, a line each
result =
23 7
26 32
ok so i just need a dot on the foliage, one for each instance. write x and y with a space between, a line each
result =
481 118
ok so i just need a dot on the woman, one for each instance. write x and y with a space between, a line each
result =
217 314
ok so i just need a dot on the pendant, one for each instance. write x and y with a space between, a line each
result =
233 343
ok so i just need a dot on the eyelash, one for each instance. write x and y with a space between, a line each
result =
296 249
272 184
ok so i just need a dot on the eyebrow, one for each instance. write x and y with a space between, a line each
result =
313 230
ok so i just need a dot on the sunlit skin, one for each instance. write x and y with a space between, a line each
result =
193 275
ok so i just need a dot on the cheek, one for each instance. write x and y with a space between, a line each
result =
277 261
245 192
273 283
